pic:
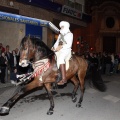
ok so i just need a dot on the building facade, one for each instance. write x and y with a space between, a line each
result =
54 11
104 30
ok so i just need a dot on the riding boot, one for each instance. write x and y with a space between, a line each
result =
59 76
63 71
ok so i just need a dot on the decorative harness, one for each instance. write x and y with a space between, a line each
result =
40 67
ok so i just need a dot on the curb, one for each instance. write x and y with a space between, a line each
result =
5 85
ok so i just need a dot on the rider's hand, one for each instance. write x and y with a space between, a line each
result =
59 47
52 49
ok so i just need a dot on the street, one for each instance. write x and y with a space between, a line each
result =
96 105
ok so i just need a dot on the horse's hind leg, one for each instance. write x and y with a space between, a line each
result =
81 76
76 85
4 110
49 90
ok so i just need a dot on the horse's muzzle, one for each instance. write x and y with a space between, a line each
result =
23 63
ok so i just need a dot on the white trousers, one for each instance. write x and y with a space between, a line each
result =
63 56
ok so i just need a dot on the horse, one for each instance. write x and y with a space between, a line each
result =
45 72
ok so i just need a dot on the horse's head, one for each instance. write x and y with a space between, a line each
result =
33 48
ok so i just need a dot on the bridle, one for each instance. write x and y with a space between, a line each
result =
27 48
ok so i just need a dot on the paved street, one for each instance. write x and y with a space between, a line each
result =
96 105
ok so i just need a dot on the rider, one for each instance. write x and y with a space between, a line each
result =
63 47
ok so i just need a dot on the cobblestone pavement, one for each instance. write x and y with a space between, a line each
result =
96 105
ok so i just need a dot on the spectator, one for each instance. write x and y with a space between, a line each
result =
8 55
90 58
95 60
16 51
18 56
103 62
3 64
2 49
108 64
13 76
115 70
13 61
112 63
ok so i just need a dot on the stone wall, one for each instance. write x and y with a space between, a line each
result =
37 12
98 28
11 34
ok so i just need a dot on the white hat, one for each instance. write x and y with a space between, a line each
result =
65 24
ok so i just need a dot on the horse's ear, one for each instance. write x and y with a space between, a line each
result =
29 36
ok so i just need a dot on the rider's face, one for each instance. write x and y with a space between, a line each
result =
62 27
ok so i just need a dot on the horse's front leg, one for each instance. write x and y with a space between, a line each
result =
4 110
49 91
6 106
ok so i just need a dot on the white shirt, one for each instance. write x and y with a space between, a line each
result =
69 40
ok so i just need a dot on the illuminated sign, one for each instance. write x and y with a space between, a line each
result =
71 12
27 20
22 19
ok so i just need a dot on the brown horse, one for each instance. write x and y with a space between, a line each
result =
45 72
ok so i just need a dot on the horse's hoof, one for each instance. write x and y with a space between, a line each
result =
50 112
74 99
4 110
78 105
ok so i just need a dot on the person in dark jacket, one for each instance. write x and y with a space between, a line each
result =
3 64
13 61
13 76
108 64
95 60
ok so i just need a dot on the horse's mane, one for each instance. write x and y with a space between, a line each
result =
40 45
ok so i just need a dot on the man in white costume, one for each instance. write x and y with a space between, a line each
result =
63 47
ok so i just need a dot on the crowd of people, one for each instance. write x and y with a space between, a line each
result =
9 61
108 63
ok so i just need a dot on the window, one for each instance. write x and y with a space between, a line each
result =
73 4
78 6
110 22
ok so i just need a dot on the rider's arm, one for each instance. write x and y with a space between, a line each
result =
56 43
69 40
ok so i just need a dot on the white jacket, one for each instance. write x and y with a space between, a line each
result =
69 40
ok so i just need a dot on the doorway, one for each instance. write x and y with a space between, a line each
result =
109 44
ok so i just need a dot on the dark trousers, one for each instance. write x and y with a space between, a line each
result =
2 75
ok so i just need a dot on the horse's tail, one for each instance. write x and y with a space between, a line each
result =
96 78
